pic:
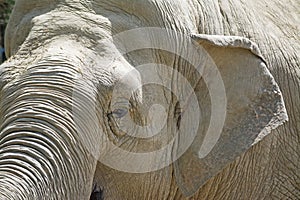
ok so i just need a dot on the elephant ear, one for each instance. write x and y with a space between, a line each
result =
253 107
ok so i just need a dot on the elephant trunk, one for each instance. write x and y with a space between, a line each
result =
41 151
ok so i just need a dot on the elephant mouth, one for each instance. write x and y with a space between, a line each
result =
97 193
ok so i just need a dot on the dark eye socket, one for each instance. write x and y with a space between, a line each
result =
120 112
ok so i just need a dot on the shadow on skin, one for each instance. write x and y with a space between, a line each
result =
97 193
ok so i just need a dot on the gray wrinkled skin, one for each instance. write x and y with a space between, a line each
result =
58 46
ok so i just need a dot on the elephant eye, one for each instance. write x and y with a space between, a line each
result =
120 112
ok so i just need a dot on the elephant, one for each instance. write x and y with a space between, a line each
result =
93 90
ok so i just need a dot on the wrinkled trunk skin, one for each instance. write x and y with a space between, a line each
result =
41 156
269 170
46 147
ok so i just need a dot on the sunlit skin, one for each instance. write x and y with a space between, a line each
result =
72 89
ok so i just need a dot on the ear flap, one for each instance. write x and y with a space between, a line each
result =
254 107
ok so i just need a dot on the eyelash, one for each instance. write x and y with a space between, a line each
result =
120 112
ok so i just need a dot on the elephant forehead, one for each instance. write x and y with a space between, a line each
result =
133 6
150 12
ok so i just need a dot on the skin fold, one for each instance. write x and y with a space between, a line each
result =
64 98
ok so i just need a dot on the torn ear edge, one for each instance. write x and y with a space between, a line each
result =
228 41
223 41
255 91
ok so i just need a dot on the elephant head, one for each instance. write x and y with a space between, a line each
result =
77 91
